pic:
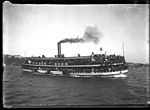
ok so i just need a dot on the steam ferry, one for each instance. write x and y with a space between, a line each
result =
94 65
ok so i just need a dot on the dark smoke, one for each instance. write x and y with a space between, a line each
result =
91 34
72 40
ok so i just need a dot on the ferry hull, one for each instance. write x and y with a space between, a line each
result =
107 74
92 74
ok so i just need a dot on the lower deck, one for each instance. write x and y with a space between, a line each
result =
77 68
93 70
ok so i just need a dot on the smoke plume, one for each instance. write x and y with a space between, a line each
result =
91 34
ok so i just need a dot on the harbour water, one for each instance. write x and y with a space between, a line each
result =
22 89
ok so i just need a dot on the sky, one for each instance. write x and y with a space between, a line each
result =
35 29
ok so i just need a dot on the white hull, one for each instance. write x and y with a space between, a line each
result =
116 73
42 71
4 64
120 75
57 72
27 70
106 74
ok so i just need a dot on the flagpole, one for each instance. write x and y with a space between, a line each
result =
123 48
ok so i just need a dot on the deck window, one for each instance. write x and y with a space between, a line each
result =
66 63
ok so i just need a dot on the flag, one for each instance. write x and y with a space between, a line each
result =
101 49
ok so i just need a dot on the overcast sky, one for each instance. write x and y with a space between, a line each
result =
36 29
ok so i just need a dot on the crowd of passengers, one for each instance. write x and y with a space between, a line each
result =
80 70
96 59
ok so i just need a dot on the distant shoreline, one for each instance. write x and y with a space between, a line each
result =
137 64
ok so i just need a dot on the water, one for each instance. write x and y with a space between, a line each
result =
32 90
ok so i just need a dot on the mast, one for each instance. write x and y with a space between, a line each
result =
123 48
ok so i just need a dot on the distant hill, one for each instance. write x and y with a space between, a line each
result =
137 64
12 59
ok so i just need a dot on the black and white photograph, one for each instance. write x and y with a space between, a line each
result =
75 55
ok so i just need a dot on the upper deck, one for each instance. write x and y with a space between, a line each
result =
78 60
